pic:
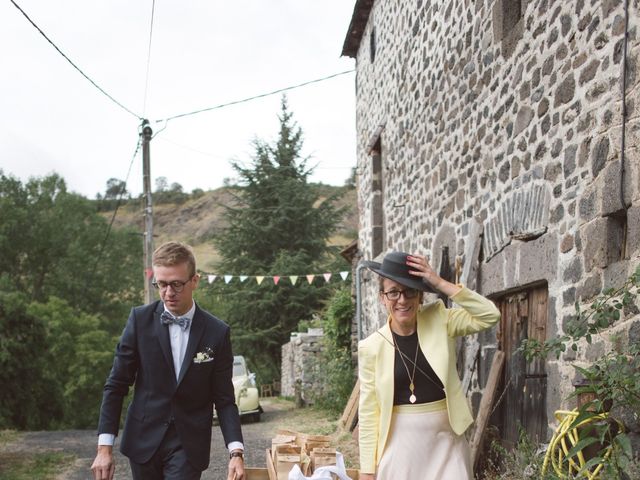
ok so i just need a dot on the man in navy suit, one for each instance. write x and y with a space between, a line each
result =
179 358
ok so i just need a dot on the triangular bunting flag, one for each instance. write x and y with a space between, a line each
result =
260 278
148 272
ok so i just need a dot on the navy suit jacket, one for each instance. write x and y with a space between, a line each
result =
143 357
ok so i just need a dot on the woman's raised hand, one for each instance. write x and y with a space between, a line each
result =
422 268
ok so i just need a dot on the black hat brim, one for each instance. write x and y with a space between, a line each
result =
416 283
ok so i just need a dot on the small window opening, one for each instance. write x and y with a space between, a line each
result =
511 14
377 212
508 19
372 45
618 235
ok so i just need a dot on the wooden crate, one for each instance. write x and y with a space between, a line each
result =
252 473
271 469
285 457
321 457
352 472
282 439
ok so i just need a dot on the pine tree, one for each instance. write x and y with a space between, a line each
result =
278 226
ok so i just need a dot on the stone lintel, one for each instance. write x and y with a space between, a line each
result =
521 263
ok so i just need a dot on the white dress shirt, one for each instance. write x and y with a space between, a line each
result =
179 339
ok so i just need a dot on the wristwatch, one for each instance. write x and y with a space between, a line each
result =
237 453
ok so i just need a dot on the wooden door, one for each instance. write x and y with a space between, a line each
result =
523 390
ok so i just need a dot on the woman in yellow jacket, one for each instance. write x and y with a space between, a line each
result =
413 412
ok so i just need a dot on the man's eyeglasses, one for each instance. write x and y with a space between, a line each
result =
395 294
177 286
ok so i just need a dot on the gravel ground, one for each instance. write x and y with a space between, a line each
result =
82 444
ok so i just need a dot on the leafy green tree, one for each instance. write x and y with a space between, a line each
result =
351 181
14 214
67 283
277 226
197 193
162 184
337 319
115 195
30 397
53 242
169 194
115 188
334 372
82 354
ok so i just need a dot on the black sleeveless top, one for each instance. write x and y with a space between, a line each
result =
425 390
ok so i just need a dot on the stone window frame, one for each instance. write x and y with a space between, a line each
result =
375 151
508 23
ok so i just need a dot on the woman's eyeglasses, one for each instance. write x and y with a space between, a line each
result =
395 294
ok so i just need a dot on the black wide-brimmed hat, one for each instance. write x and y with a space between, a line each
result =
394 267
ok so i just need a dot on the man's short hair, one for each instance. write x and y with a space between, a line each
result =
174 253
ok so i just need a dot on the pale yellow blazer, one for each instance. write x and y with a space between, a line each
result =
437 329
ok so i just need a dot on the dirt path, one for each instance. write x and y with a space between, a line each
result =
82 444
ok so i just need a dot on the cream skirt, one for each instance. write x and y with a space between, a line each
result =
422 446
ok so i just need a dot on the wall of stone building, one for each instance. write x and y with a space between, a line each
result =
299 360
517 128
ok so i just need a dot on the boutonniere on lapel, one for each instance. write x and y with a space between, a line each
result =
204 357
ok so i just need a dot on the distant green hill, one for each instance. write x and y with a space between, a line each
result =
199 219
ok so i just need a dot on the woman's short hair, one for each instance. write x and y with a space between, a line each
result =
174 253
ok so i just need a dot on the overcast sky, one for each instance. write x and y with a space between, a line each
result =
203 53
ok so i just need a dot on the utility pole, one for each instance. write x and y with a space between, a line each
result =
146 134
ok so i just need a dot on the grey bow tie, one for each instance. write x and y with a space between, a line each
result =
168 319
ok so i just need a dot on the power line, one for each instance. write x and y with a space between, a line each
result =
73 64
262 95
146 80
181 115
166 120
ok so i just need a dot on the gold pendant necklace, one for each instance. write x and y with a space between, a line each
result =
427 376
412 397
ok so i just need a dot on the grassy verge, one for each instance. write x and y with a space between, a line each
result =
16 465
8 436
27 466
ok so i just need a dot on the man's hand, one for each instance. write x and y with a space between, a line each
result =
367 476
103 466
236 469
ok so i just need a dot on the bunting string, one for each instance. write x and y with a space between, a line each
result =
276 279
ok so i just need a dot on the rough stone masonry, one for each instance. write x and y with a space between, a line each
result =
509 114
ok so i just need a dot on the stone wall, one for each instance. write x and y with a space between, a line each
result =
509 114
299 361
